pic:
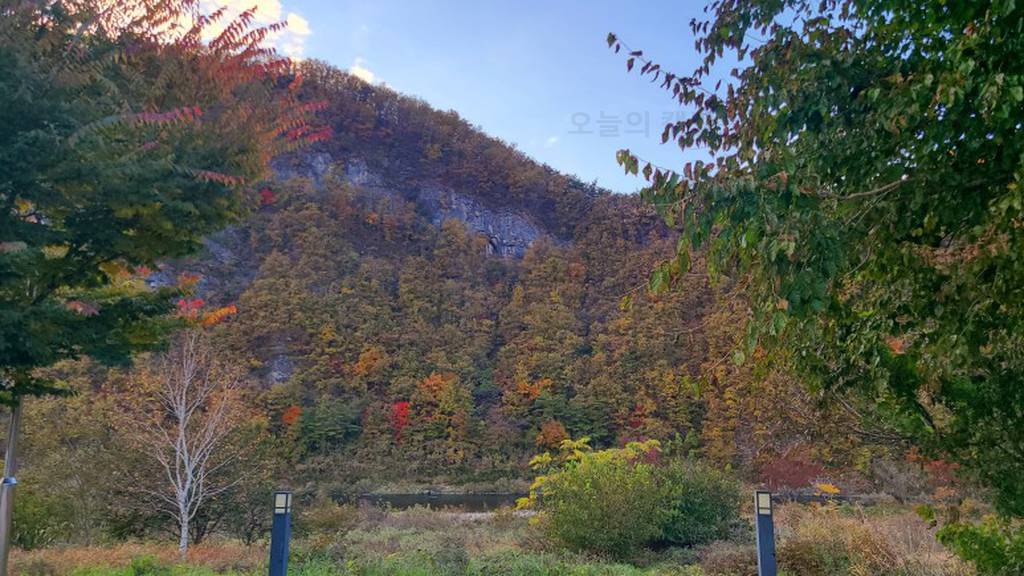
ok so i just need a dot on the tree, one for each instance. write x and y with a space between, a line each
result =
72 454
865 180
126 139
439 415
181 420
124 143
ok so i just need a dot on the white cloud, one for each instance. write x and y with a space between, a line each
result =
298 25
291 41
550 141
362 72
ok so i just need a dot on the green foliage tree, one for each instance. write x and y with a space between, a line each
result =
126 139
994 546
865 180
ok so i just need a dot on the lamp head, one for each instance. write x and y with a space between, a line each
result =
282 502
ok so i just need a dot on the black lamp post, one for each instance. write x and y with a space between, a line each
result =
280 533
765 534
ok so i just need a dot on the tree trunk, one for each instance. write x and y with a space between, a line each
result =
183 540
183 530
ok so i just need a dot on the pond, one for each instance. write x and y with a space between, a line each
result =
474 502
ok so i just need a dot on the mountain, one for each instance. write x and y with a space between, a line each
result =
417 299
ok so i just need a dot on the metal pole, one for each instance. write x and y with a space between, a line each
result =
280 533
7 487
765 534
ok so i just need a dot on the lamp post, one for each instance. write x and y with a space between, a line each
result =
765 534
7 487
280 533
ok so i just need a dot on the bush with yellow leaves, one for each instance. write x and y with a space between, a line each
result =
607 501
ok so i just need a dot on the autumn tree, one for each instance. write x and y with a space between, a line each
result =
184 409
865 178
539 366
72 456
439 419
126 139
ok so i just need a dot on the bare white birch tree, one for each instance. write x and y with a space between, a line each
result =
182 426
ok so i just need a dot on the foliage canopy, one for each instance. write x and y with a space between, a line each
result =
129 134
866 179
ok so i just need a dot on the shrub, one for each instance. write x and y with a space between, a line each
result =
38 567
326 517
148 566
995 546
703 504
451 556
801 557
614 501
38 521
607 502
728 559
843 541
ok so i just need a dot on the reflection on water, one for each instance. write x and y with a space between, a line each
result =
485 502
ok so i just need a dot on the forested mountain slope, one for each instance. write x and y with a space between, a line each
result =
418 297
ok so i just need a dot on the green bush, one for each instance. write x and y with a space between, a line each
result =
604 502
38 521
801 557
995 546
148 566
703 504
615 501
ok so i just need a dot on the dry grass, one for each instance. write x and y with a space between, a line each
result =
217 556
831 540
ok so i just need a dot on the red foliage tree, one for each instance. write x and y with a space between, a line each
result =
399 418
291 415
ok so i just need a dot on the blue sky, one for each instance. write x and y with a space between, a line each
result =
533 73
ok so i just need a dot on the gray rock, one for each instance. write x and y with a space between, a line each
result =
358 173
315 166
508 233
279 368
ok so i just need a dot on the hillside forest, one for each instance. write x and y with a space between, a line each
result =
377 338
224 272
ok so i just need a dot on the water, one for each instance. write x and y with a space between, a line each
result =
479 502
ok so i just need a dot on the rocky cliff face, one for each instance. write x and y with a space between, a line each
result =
509 233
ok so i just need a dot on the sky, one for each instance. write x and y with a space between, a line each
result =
535 74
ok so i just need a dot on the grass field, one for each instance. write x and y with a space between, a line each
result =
813 540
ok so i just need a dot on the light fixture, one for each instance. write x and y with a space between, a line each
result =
763 503
282 502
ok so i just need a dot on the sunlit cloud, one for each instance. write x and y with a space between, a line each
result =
291 41
359 70
550 141
298 25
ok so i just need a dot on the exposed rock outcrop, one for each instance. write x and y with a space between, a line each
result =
508 233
